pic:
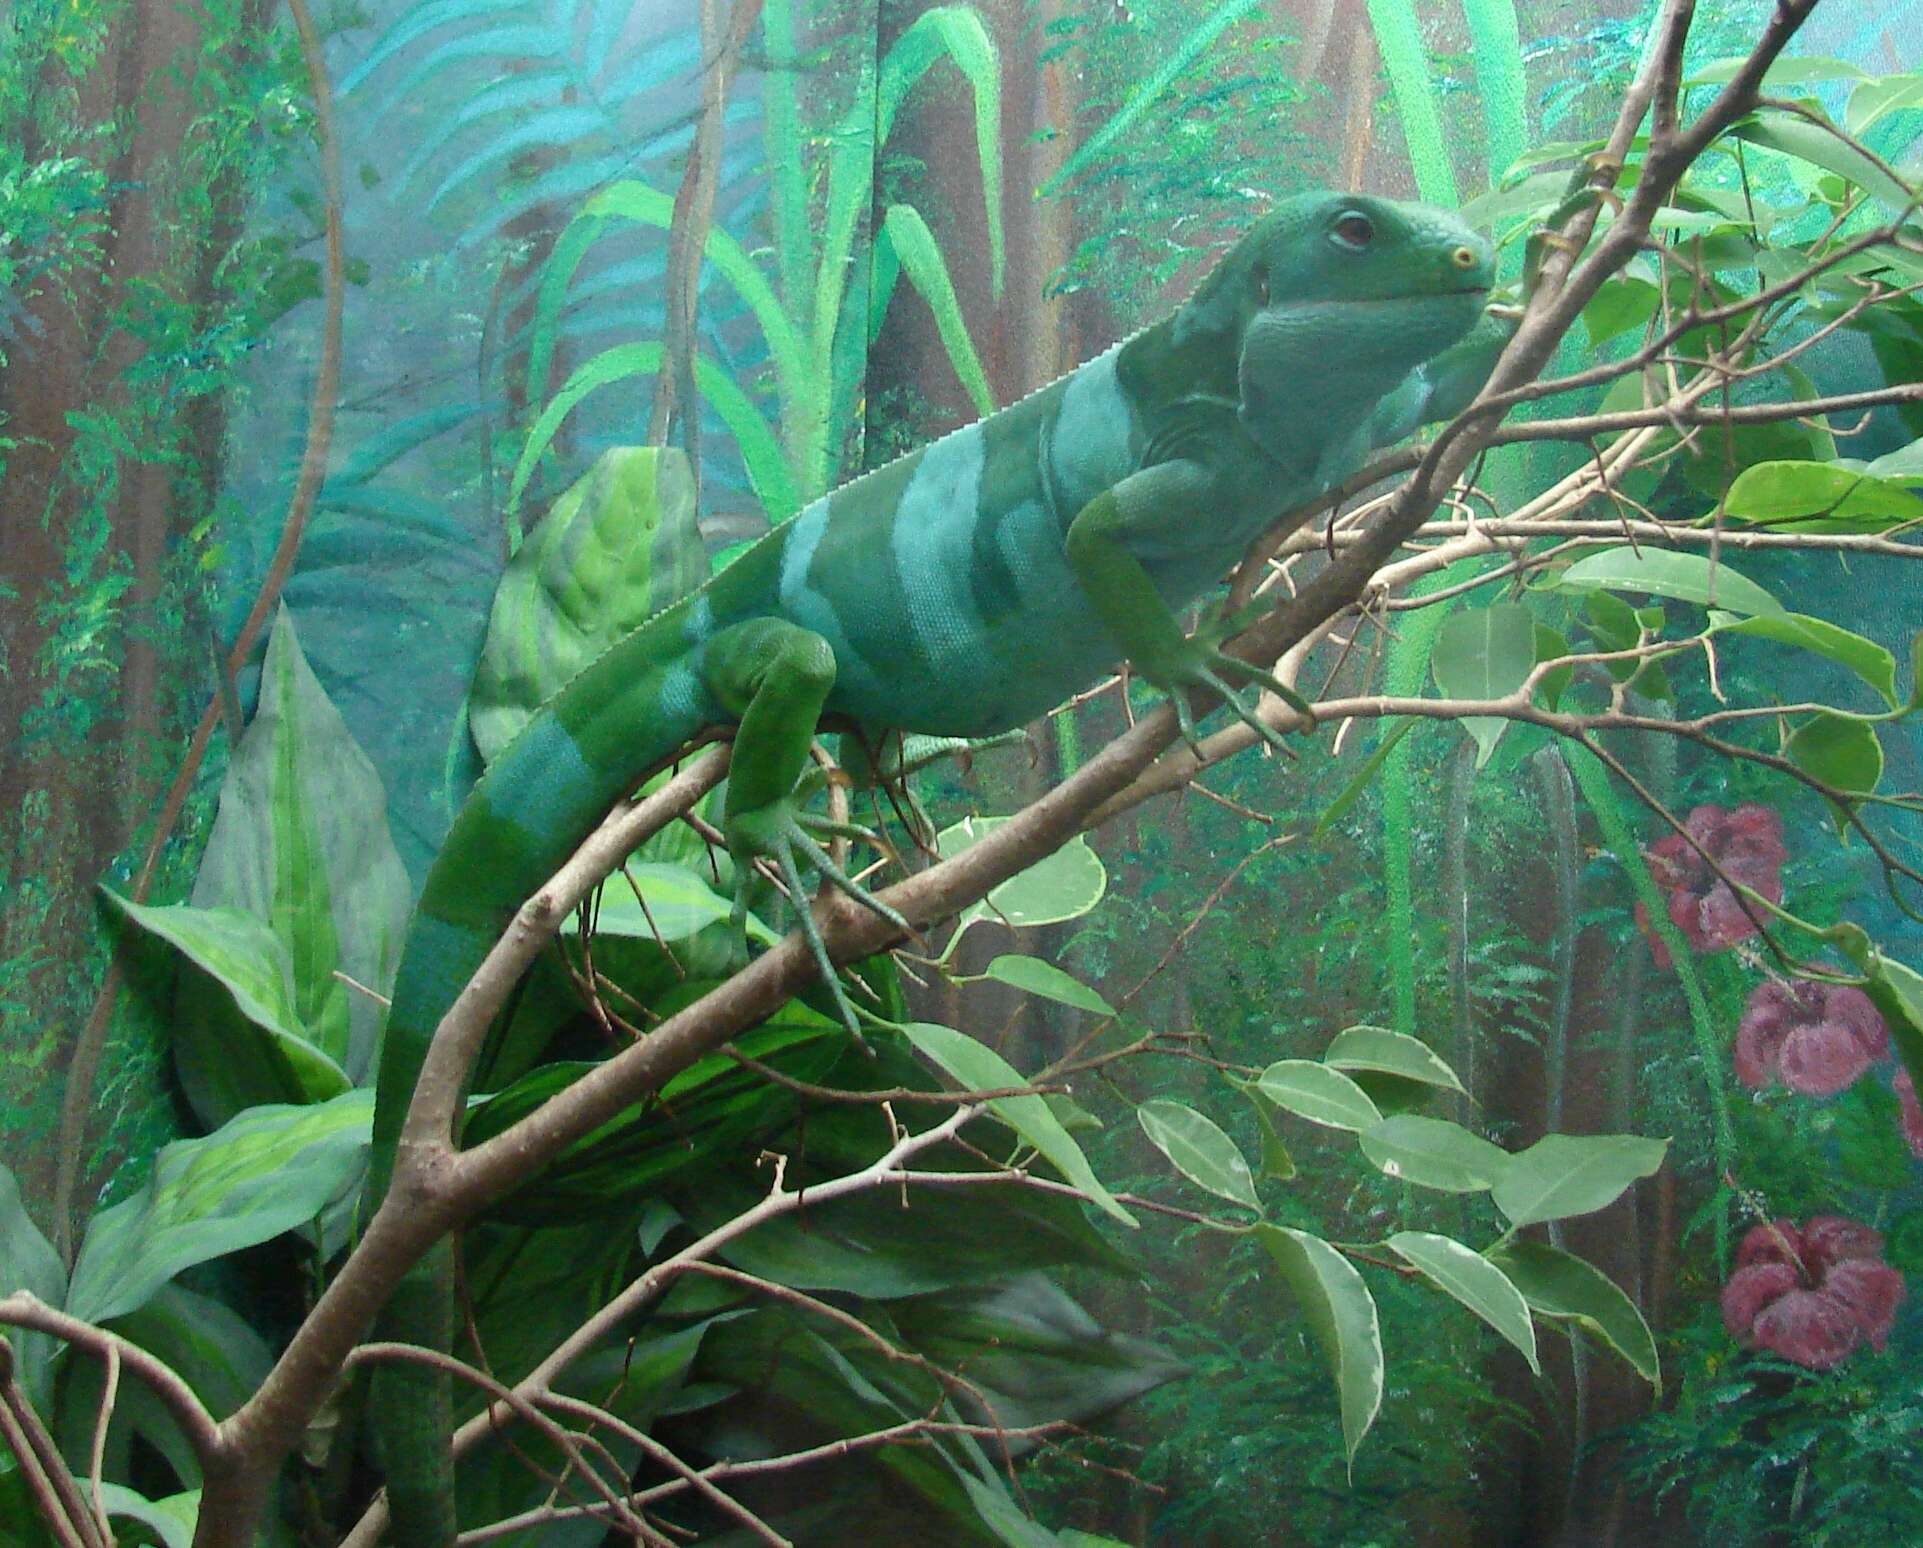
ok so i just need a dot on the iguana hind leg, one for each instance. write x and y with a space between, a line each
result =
776 676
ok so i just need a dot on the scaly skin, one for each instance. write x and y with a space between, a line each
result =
959 591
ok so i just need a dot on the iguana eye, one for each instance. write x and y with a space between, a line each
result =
1354 231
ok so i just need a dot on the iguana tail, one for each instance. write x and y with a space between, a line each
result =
582 751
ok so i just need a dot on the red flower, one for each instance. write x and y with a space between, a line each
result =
1814 1038
1813 1295
1746 843
1911 1112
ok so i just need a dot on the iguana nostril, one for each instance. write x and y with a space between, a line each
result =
1464 257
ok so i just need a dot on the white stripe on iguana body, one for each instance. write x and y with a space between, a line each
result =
932 546
1091 444
806 606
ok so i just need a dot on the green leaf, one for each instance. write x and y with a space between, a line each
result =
1800 496
1805 141
1867 659
978 1067
1895 988
1574 1174
1362 778
1199 1150
1484 653
679 903
263 1050
1552 645
954 31
1050 982
1663 573
28 1262
1002 1516
1342 1314
1383 1052
922 262
1841 752
617 547
1620 304
1876 99
264 1172
1434 1153
1178 61
1056 888
172 1519
1561 1286
1798 71
1277 1164
1474 1281
1319 1094
301 841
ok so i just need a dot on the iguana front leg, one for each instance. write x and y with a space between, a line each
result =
775 676
1161 508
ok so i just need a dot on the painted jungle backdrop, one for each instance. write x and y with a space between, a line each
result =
1484 1117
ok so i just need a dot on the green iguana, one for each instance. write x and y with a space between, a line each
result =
959 591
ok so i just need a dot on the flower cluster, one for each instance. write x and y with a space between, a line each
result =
1744 844
1812 1295
1817 1039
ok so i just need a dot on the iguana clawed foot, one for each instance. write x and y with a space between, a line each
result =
784 832
1200 662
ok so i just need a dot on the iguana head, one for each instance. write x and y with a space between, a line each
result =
1331 300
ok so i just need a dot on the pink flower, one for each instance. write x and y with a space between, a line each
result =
1814 1295
1746 843
1814 1038
1911 1112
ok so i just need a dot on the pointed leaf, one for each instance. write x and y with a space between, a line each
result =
1867 659
1341 1313
1385 1052
1049 981
1434 1153
1841 752
926 270
1560 1285
1363 777
1574 1174
262 1173
1800 496
977 1067
28 1262
1319 1094
1199 1150
1663 573
1057 888
1484 653
1476 1282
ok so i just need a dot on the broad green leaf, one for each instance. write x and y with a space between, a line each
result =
1476 1282
1819 147
301 841
926 269
1363 777
1314 1091
977 1067
1559 1285
1574 1174
1056 888
172 1519
1199 1150
1002 1516
1797 71
28 1262
1619 305
1843 753
1044 978
1552 645
1383 1052
1071 1538
260 1050
1484 653
1875 99
1867 659
1341 1312
222 1358
1434 1153
1664 573
1799 496
262 1173
1277 1164
679 903
616 548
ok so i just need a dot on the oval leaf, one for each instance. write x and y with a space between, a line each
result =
1383 1052
1574 1174
1476 1282
1058 887
1558 1284
1662 573
1796 495
1484 653
978 1067
1049 981
1341 1312
1434 1153
1867 659
1319 1094
1199 1150
1843 753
